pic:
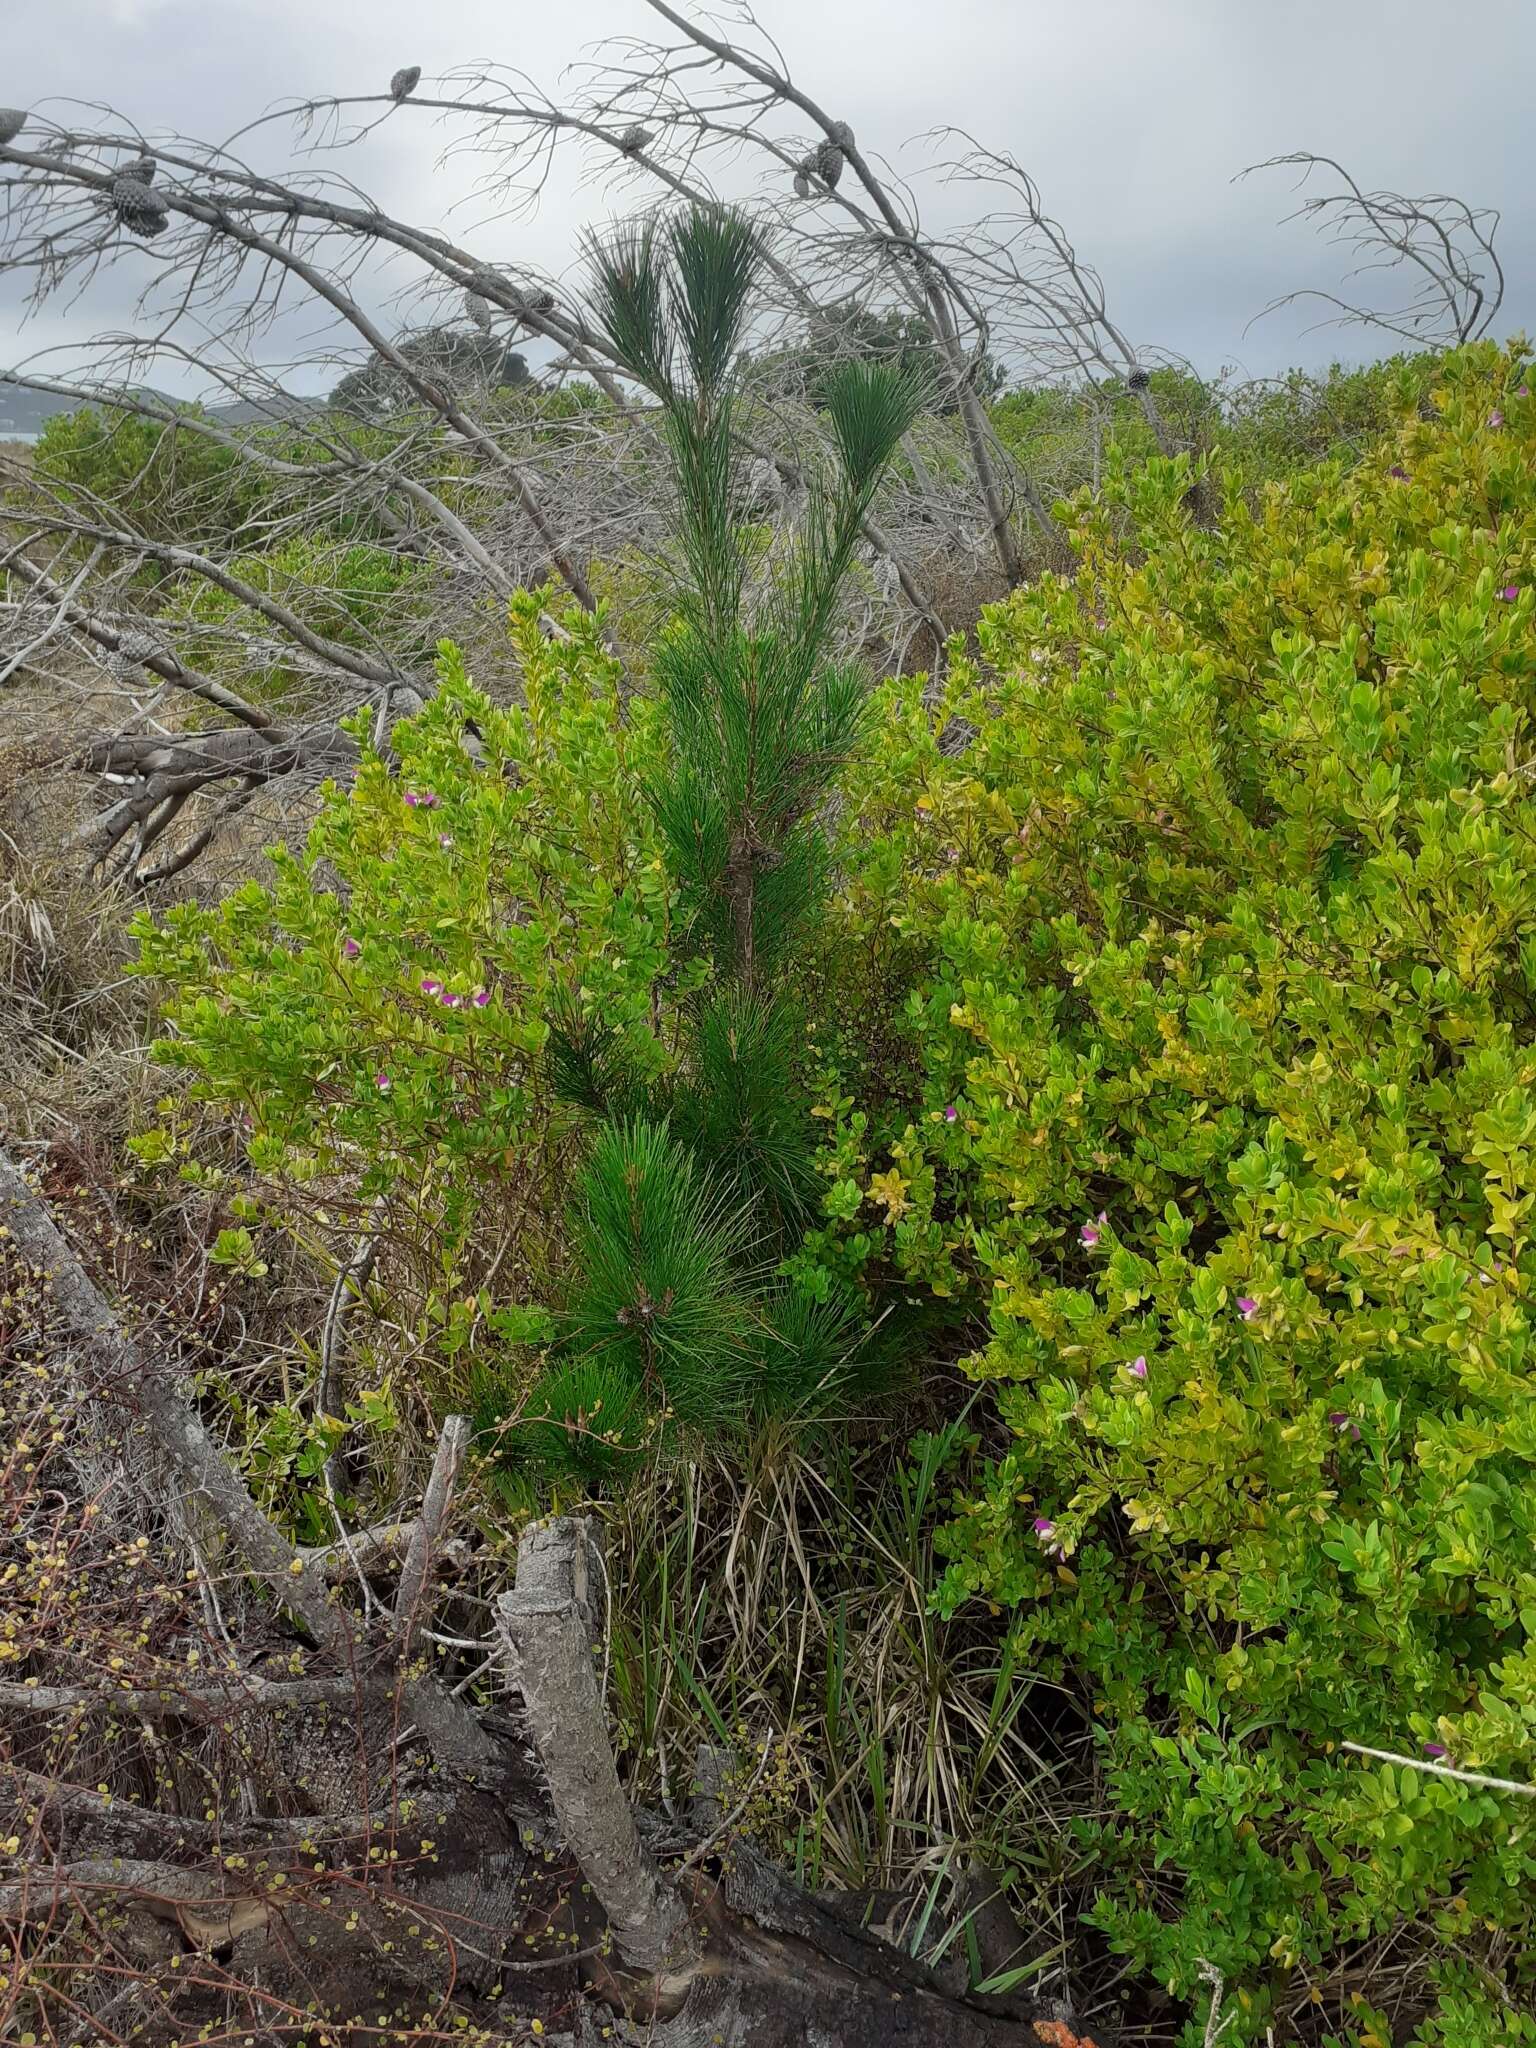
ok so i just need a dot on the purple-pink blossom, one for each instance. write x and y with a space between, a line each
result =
421 799
382 1082
449 1000
1495 419
1044 1527
1436 1749
1397 470
1247 1307
431 988
1137 1368
1344 1424
1090 1234
444 839
950 1112
1510 592
480 998
350 948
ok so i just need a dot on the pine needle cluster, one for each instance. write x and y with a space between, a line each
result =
691 1194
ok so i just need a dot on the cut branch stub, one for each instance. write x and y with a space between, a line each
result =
548 1623
430 1528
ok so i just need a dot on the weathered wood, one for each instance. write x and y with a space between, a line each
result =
548 1620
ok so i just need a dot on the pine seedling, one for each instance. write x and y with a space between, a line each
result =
688 1200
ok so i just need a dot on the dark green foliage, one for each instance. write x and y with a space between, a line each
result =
455 359
759 718
815 1356
587 1062
742 1109
692 1189
896 339
584 1418
659 1298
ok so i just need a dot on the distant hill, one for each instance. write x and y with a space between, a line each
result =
24 414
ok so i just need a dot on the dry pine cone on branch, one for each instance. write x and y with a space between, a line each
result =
829 163
12 121
138 206
405 82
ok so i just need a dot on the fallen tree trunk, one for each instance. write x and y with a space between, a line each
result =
379 1853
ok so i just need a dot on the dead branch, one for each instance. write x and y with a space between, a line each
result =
549 1623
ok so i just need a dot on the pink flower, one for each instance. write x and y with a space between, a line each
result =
421 799
1247 1307
950 1112
1397 470
1436 1750
431 988
1342 1423
1045 1528
1137 1369
1524 391
1510 592
1495 419
450 1000
480 998
1090 1234
443 839
382 1082
350 948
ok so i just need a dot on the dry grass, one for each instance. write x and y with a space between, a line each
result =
773 1602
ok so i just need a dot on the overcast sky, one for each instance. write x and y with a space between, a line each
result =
1133 115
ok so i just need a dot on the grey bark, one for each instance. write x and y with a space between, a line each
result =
548 1621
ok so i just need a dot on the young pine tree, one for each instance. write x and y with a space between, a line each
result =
689 1200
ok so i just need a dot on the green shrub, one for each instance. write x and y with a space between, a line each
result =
380 1014
1264 430
356 594
1214 955
166 480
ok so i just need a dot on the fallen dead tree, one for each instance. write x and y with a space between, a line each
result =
286 1824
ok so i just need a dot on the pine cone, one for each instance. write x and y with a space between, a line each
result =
802 185
478 310
1139 379
538 303
136 647
405 82
139 207
141 170
635 137
12 121
829 163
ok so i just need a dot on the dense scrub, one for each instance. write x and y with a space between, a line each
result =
1167 1034
1215 950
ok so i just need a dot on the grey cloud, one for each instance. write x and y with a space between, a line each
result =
1132 118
